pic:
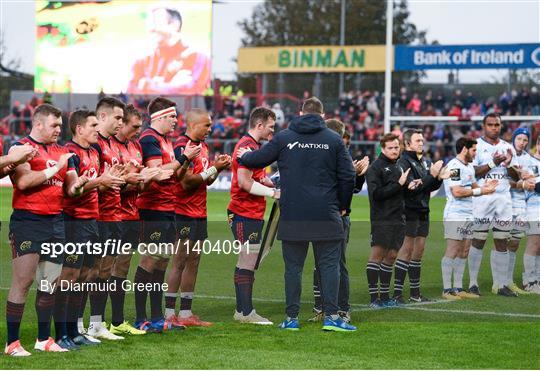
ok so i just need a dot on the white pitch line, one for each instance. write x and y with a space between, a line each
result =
415 306
365 307
477 312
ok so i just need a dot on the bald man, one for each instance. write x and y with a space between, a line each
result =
191 221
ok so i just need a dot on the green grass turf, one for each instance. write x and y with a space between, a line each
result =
492 332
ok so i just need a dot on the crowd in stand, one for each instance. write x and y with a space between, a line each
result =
361 111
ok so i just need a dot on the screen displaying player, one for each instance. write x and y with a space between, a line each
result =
169 46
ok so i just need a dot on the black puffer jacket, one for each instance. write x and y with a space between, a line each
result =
316 175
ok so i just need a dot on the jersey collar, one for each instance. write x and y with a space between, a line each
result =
78 145
498 141
249 135
192 140
104 138
157 132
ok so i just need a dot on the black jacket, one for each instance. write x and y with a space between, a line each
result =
418 199
316 175
386 195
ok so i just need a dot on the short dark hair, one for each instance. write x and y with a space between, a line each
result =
313 105
388 138
79 117
492 114
407 135
260 114
336 125
109 102
129 112
47 109
174 15
160 103
464 142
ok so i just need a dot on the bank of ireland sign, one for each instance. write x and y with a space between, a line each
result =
467 56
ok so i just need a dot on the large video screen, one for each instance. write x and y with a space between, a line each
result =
139 47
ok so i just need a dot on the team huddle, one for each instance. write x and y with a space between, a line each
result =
112 182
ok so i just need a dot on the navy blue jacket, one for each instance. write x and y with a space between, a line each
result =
316 175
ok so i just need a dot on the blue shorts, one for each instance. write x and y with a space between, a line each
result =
245 229
80 231
157 226
193 229
27 231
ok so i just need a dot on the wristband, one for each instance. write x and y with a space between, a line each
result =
477 192
183 159
50 172
258 189
208 173
491 164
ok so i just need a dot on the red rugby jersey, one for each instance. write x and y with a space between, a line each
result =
109 201
158 196
192 203
129 151
243 203
85 159
45 199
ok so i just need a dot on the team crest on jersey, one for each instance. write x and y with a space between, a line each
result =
455 174
25 245
155 236
92 173
51 163
185 231
253 236
205 163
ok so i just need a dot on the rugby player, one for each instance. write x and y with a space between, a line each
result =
156 210
520 140
531 258
39 188
494 159
191 220
386 182
110 112
246 213
80 217
429 175
460 188
137 176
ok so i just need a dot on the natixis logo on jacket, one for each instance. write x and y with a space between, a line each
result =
299 145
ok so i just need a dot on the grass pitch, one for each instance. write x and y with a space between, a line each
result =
492 332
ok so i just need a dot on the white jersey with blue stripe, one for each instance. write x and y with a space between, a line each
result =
523 161
484 154
461 175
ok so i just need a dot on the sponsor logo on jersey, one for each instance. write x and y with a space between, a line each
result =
455 174
308 145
